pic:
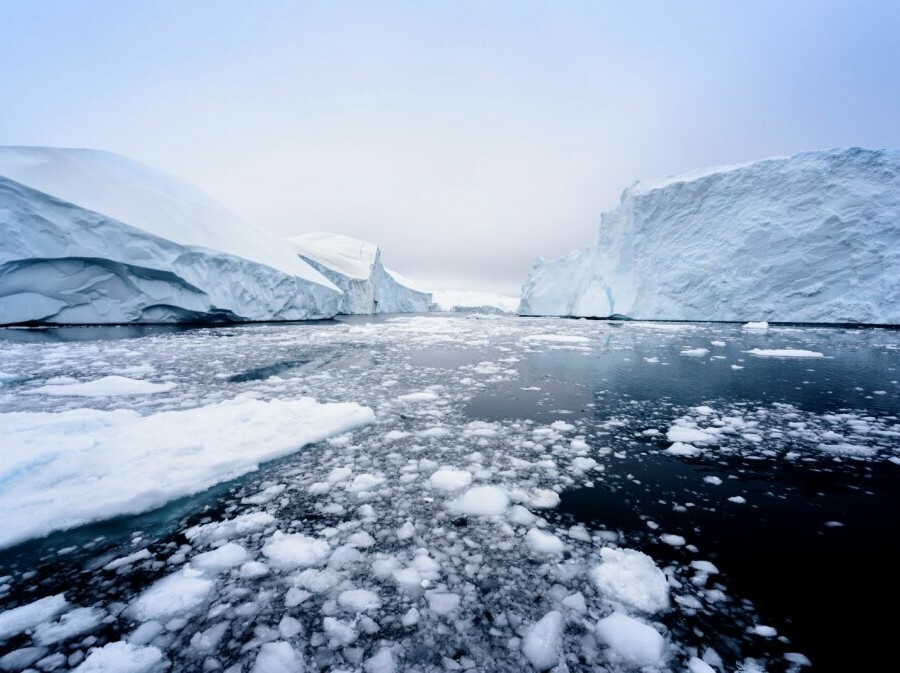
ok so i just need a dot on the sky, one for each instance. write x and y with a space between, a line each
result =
466 138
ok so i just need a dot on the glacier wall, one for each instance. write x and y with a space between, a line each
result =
809 238
355 267
65 263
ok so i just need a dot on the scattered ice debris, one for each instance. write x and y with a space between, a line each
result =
295 550
695 352
672 540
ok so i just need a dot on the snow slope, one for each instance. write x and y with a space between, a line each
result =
808 238
93 237
464 300
355 267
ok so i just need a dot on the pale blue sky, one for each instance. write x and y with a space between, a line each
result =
464 137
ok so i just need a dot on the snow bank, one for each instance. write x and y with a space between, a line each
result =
65 469
93 237
355 267
809 238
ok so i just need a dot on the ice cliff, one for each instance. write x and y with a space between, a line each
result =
355 267
92 237
809 238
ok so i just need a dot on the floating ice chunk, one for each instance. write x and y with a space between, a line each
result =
227 556
798 659
737 499
631 578
557 338
632 640
784 353
583 464
520 516
765 631
253 569
237 527
544 543
697 665
365 482
122 657
359 600
847 449
278 657
295 597
140 555
442 602
338 474
450 479
409 580
108 386
705 567
317 581
22 658
340 633
481 501
562 426
673 540
394 435
719 344
175 595
144 633
575 602
410 618
424 396
83 465
72 623
543 498
763 326
682 449
715 481
208 640
24 617
382 662
695 352
296 550
543 641
406 531
361 539
681 433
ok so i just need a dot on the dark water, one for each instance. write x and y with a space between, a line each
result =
832 589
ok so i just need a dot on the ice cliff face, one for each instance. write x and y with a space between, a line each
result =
809 238
355 267
92 237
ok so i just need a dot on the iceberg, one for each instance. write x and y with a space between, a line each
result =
92 237
469 301
809 238
355 267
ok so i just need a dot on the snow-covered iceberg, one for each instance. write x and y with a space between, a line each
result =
92 237
809 238
355 267
473 301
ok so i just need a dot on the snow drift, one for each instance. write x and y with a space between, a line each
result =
93 237
355 267
809 238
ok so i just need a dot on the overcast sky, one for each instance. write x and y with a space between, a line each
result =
465 138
